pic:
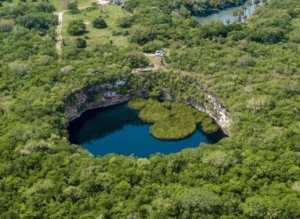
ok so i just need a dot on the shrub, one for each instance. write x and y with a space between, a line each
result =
137 103
80 43
38 21
173 128
19 69
73 7
154 112
208 126
76 27
125 22
99 23
136 60
151 47
67 69
6 25
141 35
246 61
172 120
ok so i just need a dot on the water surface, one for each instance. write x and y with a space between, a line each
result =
117 129
224 15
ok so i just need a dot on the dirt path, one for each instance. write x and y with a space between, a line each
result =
157 61
58 30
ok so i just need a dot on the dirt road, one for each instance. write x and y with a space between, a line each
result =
58 34
58 30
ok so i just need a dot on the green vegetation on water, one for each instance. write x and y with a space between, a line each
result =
154 111
173 128
137 103
172 120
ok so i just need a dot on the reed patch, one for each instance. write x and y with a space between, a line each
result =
172 120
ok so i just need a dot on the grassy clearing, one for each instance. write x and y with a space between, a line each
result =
61 5
97 36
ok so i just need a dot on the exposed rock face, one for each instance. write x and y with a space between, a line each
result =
108 95
221 114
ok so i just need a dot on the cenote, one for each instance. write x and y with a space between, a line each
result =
117 129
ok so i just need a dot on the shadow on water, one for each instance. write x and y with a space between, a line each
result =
99 123
117 129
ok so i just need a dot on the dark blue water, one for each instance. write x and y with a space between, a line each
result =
117 129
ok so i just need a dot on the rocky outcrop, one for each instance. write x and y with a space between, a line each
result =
108 94
219 112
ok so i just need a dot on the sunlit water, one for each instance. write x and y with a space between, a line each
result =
226 14
118 130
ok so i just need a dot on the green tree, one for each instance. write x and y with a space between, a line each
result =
80 43
76 27
99 23
200 198
141 35
19 69
73 7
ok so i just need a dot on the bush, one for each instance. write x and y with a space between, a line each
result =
246 61
172 120
19 69
99 23
151 47
6 25
125 22
141 35
76 27
208 126
38 21
136 60
137 103
154 112
73 7
80 43
173 128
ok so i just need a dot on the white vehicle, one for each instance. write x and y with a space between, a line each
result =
159 53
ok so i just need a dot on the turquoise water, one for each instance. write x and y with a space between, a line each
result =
117 129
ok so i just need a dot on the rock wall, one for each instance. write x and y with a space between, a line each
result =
108 95
221 114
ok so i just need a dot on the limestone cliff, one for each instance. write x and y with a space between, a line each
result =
108 94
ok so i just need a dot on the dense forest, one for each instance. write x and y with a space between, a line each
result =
251 67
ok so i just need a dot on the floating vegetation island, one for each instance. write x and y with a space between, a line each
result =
172 120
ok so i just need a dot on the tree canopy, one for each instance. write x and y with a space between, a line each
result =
251 68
